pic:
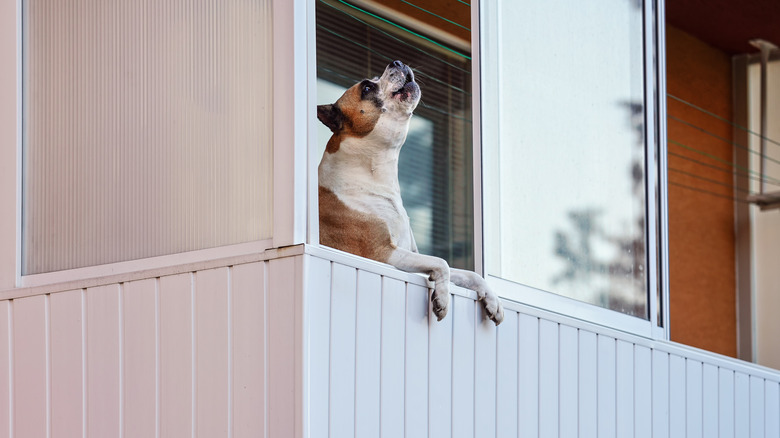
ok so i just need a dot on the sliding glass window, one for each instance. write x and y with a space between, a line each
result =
565 146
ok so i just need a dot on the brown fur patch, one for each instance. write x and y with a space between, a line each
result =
359 117
349 230
333 144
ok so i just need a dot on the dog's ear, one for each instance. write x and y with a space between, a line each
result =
331 116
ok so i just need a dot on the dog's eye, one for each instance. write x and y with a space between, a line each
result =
368 87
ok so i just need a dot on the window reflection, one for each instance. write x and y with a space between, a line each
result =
567 208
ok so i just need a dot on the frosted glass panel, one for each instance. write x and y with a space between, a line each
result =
564 178
147 129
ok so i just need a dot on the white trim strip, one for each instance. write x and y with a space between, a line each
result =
291 80
111 274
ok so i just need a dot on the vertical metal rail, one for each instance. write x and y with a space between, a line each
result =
766 201
742 223
766 49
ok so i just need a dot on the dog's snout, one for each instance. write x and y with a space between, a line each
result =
398 64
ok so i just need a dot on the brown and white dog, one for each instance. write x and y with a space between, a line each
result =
359 196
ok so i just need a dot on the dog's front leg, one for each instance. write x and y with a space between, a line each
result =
475 282
438 271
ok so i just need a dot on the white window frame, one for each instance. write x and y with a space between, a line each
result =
655 180
293 39
655 159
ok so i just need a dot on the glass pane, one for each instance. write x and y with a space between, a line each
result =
435 167
147 129
564 180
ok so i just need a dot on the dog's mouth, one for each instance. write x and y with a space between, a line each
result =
409 87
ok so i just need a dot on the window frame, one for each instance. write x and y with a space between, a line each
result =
655 181
657 326
293 41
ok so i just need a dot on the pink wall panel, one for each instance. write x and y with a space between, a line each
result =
5 369
249 329
139 358
211 352
281 347
103 361
67 364
29 367
176 407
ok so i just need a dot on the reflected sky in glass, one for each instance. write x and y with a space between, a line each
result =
570 163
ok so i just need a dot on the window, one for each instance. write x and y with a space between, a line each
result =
147 129
435 169
567 151
569 205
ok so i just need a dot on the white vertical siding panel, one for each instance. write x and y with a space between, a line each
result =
318 292
624 381
283 287
677 400
103 361
643 392
248 312
211 352
772 412
660 394
725 403
463 320
607 408
392 357
588 384
548 379
416 382
139 304
342 351
66 364
29 367
5 369
757 406
569 340
484 375
528 376
506 375
710 401
440 377
693 398
741 405
176 356
367 354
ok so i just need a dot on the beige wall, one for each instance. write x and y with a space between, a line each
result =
701 225
765 225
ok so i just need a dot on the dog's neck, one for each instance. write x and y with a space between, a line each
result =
359 162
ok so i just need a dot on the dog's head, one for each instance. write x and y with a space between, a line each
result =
379 108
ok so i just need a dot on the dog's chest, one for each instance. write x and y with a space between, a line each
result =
386 206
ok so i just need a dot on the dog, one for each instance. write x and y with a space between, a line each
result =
361 211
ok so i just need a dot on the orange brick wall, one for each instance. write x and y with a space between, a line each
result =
701 225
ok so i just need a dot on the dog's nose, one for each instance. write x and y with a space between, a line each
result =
398 64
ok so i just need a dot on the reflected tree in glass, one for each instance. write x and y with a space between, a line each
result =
615 281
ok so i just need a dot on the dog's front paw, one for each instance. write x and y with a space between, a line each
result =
493 308
440 301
